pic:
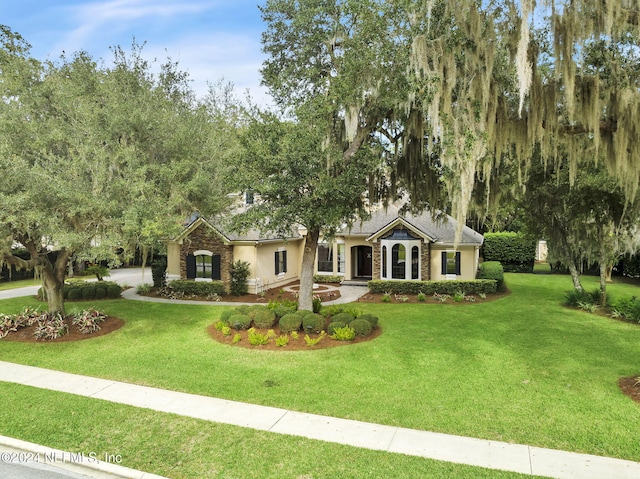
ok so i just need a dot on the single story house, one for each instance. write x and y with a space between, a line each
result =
389 245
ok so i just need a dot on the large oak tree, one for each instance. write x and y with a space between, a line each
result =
97 159
477 83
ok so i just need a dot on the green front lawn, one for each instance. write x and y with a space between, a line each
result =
6 285
519 369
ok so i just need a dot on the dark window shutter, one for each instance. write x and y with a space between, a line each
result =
458 263
215 267
284 261
444 263
191 266
277 258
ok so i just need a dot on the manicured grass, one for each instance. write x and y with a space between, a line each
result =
7 285
520 369
179 447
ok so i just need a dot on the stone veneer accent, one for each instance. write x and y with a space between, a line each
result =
204 238
425 252
376 272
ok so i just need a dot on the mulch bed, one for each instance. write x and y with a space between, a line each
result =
293 345
275 294
25 335
630 386
413 298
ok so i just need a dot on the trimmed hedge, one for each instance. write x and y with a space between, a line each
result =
239 321
477 286
312 323
343 318
515 251
331 329
362 327
326 278
491 270
373 320
78 290
290 322
263 318
197 288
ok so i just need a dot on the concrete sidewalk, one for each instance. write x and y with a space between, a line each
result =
462 450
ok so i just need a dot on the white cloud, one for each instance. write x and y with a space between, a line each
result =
209 57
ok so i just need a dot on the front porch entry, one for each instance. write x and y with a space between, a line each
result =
361 262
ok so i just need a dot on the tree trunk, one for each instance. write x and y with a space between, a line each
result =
610 274
53 281
305 297
575 276
603 284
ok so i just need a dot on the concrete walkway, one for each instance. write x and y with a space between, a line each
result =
462 450
135 276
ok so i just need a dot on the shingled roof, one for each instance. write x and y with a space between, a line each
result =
441 230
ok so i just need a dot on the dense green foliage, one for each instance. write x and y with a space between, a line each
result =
159 272
290 322
484 286
197 288
515 251
313 323
362 327
492 270
239 321
100 160
263 318
239 274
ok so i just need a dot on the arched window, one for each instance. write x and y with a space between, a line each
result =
415 263
400 256
384 262
398 262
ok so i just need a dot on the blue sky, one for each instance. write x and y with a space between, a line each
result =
211 39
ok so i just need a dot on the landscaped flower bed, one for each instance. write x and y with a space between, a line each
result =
280 326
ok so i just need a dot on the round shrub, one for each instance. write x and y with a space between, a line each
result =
75 294
264 318
226 314
290 322
88 292
239 321
101 292
254 310
281 310
345 318
303 313
312 323
373 320
333 326
113 291
362 327
243 309
491 270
